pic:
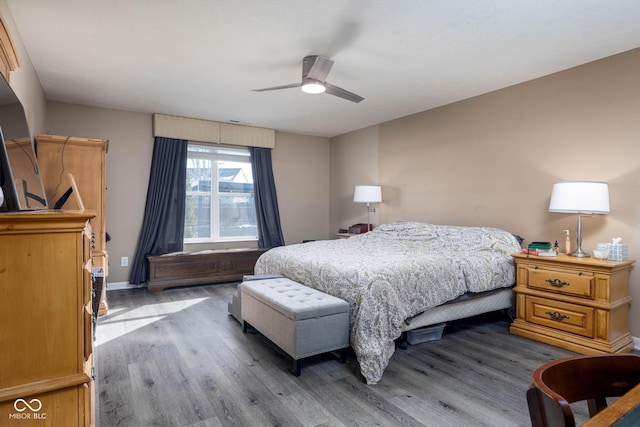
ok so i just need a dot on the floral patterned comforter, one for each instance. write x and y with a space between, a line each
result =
395 272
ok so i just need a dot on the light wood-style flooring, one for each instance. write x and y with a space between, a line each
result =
176 358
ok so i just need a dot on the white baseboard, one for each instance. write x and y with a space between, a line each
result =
117 286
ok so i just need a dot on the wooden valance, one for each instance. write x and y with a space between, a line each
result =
209 131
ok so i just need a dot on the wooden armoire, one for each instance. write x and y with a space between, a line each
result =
85 159
46 322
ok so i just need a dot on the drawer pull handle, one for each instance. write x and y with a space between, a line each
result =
557 283
555 315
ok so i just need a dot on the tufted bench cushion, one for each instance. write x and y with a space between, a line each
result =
300 320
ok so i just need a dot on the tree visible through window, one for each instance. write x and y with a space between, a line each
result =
220 202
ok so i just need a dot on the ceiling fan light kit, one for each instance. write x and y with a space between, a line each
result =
314 79
312 86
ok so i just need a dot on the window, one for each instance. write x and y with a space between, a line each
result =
219 204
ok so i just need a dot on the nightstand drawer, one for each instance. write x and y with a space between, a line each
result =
572 318
580 284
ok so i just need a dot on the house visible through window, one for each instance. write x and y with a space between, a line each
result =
219 204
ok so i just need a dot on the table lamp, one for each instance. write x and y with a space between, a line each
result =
586 198
368 194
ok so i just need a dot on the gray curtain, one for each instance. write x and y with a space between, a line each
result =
268 216
163 224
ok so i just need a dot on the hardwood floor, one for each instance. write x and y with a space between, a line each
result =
176 358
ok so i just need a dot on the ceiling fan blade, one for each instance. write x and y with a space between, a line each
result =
278 87
341 93
316 67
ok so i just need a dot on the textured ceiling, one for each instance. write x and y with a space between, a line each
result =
203 58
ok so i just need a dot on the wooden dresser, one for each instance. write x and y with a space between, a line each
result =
580 304
85 158
46 328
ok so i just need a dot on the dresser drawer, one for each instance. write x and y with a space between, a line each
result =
572 318
569 282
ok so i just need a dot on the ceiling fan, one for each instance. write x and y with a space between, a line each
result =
314 74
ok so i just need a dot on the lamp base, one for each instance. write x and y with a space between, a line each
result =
579 254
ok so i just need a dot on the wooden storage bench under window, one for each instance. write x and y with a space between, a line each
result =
199 268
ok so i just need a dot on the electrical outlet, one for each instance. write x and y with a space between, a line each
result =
124 261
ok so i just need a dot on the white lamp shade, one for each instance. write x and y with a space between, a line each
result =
583 197
367 194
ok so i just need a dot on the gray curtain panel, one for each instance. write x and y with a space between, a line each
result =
163 224
264 187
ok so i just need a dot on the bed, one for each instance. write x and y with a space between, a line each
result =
396 276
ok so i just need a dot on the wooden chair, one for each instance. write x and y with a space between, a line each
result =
592 378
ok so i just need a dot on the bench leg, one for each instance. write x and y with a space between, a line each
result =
245 327
296 368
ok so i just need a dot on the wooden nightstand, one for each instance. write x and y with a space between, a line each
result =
580 304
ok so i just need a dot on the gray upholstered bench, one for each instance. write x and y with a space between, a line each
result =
301 321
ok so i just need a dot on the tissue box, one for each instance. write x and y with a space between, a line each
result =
617 251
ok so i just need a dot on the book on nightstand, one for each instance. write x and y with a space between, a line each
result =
540 249
545 246
546 253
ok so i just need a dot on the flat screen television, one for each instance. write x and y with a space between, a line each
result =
19 174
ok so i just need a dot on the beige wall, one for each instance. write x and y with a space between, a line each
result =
301 171
492 160
354 161
128 165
